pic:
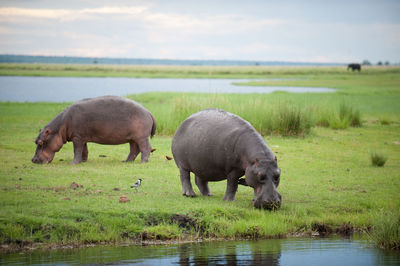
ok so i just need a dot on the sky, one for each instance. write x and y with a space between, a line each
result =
321 31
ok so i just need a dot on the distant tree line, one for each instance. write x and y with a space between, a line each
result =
368 63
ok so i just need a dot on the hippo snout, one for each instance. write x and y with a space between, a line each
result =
268 204
36 160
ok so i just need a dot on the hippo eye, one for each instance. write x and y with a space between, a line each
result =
261 177
276 179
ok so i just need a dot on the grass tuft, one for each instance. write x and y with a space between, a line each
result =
378 158
344 118
292 122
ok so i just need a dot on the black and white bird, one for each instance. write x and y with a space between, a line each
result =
137 184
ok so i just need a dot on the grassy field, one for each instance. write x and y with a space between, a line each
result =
328 183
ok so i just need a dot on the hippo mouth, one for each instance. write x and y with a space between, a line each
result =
39 160
271 203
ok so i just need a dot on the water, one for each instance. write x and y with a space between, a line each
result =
264 252
60 89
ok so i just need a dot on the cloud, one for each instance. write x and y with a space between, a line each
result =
67 14
182 31
143 14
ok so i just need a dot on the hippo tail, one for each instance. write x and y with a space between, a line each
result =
153 128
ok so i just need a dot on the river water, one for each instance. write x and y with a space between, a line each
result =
292 251
61 89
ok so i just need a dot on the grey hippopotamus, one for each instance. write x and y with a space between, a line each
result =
217 145
104 120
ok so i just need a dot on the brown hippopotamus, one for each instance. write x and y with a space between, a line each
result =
104 120
217 145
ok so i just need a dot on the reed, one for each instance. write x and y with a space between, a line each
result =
386 230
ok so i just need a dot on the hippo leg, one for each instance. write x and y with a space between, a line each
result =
232 185
85 153
78 151
145 149
187 189
203 186
134 151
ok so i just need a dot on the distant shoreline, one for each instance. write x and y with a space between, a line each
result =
7 58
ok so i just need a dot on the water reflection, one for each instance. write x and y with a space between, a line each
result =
264 252
230 253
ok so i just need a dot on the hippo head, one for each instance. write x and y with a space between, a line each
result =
264 176
48 143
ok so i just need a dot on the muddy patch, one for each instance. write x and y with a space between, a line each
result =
321 229
345 229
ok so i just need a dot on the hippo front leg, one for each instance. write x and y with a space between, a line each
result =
232 185
85 153
187 189
78 151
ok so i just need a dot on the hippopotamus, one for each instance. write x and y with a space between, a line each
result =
105 120
354 66
216 145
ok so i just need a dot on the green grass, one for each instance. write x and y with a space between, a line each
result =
327 177
151 71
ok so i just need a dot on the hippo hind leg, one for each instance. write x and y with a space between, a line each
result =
203 186
85 153
187 189
134 151
145 149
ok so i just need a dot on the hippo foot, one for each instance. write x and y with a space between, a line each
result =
189 194
229 198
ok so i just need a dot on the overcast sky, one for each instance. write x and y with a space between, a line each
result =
286 30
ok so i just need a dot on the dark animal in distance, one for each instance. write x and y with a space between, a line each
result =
217 145
354 66
105 120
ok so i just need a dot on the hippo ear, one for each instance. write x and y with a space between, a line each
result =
47 133
276 159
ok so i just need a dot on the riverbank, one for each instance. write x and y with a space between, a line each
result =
332 186
327 180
